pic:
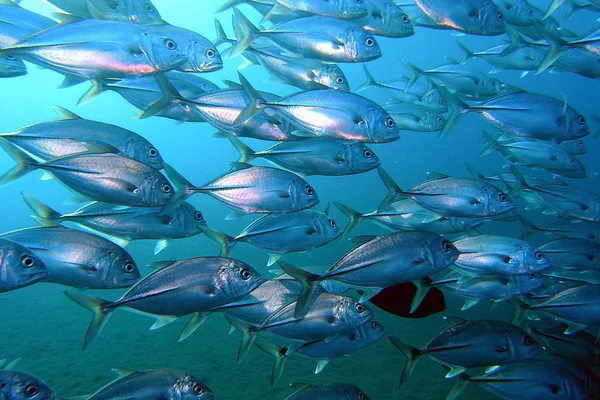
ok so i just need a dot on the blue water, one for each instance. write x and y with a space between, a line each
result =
46 330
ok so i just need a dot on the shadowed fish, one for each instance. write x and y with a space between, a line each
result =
19 267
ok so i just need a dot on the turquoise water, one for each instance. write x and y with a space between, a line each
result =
41 326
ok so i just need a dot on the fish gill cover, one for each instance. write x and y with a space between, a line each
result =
317 176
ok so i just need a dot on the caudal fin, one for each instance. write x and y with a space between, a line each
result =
224 240
458 109
279 358
310 285
44 215
97 88
184 189
394 191
355 218
246 153
25 163
370 82
255 102
100 309
412 356
251 33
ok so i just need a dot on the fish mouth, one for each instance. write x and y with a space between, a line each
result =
39 276
208 66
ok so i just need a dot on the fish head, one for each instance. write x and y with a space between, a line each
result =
517 12
433 121
20 266
574 147
434 100
579 382
156 189
395 21
202 56
491 19
495 201
117 268
352 313
523 346
361 46
190 218
134 11
189 387
438 251
327 228
382 128
303 195
350 9
527 283
165 49
577 126
146 153
237 279
533 259
144 12
331 76
10 66
371 332
23 386
361 158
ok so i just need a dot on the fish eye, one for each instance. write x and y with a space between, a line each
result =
440 119
579 382
149 8
442 102
128 267
529 12
246 274
363 397
165 188
360 308
375 325
27 261
152 152
210 53
31 390
358 1
332 223
170 44
198 215
446 246
493 84
405 18
579 143
389 122
500 17
529 341
340 80
538 255
367 153
198 390
502 197
370 42
10 58
581 120
309 190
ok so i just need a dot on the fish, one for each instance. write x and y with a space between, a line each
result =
452 197
381 262
572 253
325 113
156 383
17 385
469 344
70 133
250 189
125 225
128 49
385 18
580 347
19 266
134 11
338 40
78 259
315 156
11 67
419 118
193 286
525 58
17 23
476 17
280 234
344 9
498 256
328 391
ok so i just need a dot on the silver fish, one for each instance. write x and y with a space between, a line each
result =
78 259
16 385
477 17
17 23
70 134
315 156
157 383
346 9
329 391
385 18
572 253
135 11
19 266
11 67
415 117
193 286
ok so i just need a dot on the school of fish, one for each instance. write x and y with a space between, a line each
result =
435 245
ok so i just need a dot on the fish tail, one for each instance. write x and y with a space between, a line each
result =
194 323
44 215
458 386
557 46
468 53
97 88
170 95
221 35
416 73
458 108
422 290
370 82
279 355
246 153
516 42
100 308
230 3
226 241
255 102
530 228
394 191
412 356
355 218
490 144
248 336
25 163
521 182
251 33
184 189
552 7
309 282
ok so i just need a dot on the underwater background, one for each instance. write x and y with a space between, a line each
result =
42 327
